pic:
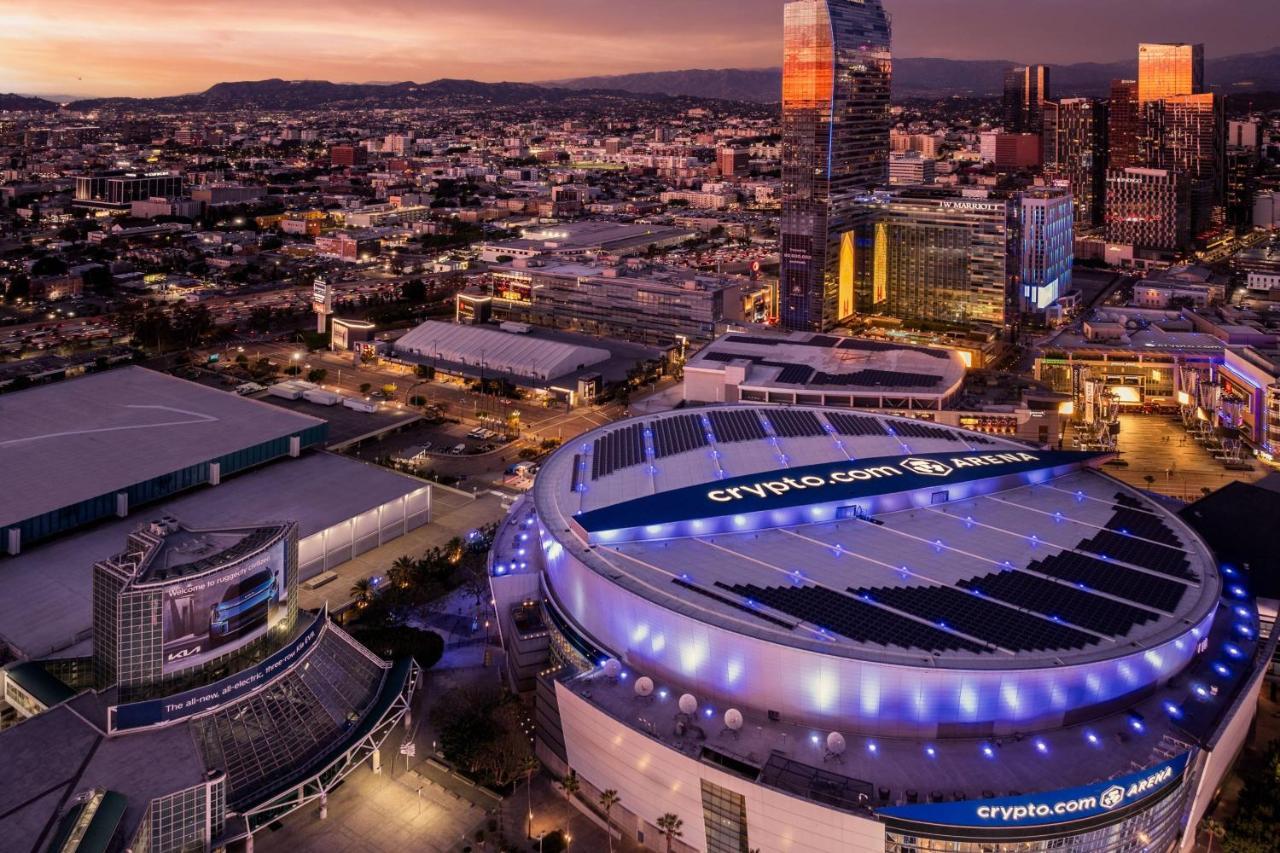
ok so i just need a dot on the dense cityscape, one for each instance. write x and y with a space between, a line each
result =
871 453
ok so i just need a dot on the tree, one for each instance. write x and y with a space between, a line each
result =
529 767
608 799
364 387
1150 480
1214 829
389 390
363 591
670 824
401 572
317 375
571 785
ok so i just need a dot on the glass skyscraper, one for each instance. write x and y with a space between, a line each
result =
1165 70
835 117
1026 89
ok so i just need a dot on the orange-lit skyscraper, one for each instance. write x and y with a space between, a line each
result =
835 119
1124 125
1026 89
1165 70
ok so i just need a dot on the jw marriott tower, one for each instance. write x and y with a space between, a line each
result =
835 116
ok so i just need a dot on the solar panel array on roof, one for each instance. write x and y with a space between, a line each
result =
1139 552
978 439
970 614
883 346
877 379
849 617
618 449
736 425
1129 501
577 472
1137 523
915 429
790 423
1092 573
855 424
677 435
1104 615
795 374
729 602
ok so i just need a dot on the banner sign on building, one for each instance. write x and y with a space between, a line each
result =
202 699
825 483
1050 807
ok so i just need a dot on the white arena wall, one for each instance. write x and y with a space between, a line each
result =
802 683
652 779
347 539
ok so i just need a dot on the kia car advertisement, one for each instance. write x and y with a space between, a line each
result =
208 616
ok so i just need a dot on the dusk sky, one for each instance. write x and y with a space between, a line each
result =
164 47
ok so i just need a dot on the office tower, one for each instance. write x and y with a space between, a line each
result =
1045 247
1124 125
835 123
733 161
1243 171
1165 70
348 155
1188 133
1075 151
120 190
1011 152
1148 208
1244 134
911 168
1025 91
938 255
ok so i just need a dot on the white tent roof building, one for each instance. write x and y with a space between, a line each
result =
497 351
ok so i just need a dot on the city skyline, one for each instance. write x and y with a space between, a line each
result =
388 40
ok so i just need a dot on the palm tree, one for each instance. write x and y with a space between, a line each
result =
571 785
670 825
530 767
609 799
402 571
363 591
1214 829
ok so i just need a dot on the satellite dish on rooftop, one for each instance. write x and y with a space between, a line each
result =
644 686
733 719
835 743
612 668
688 704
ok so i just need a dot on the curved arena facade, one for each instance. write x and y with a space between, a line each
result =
774 620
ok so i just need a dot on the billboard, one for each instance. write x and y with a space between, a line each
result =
201 699
1051 807
210 615
827 482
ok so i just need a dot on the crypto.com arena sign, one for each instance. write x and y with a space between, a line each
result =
822 492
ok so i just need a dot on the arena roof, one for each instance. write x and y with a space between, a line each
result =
527 356
1012 558
832 364
71 441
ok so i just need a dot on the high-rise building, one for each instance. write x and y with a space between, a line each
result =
348 155
1165 70
1188 133
1012 152
1075 151
1148 208
939 255
733 161
1045 248
1025 91
835 120
1124 125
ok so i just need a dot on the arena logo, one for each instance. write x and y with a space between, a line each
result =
1108 799
911 465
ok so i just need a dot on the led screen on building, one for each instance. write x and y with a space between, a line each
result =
214 613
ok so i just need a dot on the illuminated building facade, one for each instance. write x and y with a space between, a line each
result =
1075 150
1045 250
835 117
1148 208
1026 89
1165 70
1187 133
1124 125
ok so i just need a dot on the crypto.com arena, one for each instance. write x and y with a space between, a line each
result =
805 629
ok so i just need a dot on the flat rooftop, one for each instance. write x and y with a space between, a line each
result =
832 364
76 440
47 602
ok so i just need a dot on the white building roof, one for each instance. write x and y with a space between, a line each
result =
498 351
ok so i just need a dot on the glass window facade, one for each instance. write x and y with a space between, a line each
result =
724 813
835 122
